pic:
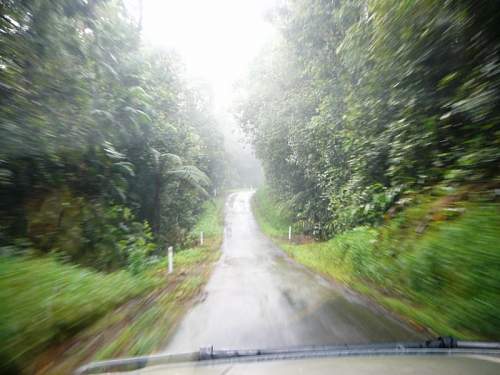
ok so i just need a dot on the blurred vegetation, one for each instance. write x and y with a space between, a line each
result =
44 301
47 303
140 327
106 152
107 155
211 222
435 262
360 102
377 123
275 217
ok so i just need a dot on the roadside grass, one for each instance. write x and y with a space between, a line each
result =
139 327
44 301
211 222
273 218
54 316
436 265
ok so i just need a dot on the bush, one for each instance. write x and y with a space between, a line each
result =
45 301
438 258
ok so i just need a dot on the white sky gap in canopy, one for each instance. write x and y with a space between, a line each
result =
217 39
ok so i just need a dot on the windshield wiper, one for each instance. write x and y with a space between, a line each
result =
438 346
446 342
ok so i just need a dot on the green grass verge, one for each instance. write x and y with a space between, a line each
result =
273 218
45 301
151 327
430 264
137 322
211 222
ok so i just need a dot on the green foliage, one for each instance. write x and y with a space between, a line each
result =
453 264
110 239
436 262
360 102
142 326
211 221
273 217
189 257
44 301
138 249
99 134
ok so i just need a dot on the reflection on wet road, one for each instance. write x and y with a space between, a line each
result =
256 297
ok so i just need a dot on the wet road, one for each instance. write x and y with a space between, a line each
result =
257 297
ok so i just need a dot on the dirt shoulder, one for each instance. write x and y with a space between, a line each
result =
140 326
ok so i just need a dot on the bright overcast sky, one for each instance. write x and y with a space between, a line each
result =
217 39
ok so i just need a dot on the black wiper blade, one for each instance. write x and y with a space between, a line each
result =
437 346
445 342
478 345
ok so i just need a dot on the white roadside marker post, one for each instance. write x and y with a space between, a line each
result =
170 253
201 238
290 233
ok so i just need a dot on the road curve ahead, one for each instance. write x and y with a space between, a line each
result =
258 298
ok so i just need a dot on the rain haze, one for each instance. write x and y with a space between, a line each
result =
217 40
282 186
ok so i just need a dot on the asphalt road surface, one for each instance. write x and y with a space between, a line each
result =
258 298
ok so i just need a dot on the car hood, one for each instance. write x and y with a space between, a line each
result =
373 365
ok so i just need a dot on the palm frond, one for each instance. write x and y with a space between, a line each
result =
172 159
192 175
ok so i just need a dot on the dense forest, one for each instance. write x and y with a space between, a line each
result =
360 103
373 140
106 152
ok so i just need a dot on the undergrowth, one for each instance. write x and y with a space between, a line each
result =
437 262
46 303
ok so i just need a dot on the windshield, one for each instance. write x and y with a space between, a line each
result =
246 176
